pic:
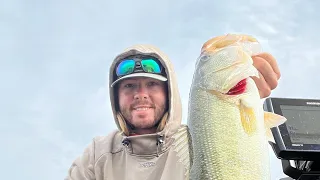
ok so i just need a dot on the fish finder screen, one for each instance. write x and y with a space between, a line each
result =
303 123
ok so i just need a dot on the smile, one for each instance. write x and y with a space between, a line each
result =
141 108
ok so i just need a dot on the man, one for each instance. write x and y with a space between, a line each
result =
151 142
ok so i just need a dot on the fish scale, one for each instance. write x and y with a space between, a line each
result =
216 152
228 131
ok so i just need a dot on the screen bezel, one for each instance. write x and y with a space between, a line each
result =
276 103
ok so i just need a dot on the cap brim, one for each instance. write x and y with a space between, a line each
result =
154 76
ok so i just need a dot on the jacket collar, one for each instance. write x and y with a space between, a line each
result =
146 145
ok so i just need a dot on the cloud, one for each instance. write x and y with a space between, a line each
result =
55 57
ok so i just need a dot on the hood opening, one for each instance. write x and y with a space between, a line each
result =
172 118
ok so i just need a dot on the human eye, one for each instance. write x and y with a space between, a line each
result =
128 85
153 83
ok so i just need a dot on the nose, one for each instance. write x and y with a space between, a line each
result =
142 93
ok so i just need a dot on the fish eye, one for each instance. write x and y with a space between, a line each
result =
205 57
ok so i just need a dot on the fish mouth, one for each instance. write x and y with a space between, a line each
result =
239 88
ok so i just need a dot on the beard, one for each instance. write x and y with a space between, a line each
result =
159 111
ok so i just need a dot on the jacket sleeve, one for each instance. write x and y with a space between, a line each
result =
82 168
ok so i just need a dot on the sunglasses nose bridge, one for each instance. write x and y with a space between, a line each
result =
138 64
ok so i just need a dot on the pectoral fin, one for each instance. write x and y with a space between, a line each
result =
248 119
272 120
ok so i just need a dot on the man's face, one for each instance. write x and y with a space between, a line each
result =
142 101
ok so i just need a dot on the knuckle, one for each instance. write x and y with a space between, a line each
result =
266 93
259 62
265 90
266 56
273 84
279 75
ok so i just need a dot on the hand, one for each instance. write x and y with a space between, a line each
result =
269 73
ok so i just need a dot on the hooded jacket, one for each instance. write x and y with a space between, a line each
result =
164 155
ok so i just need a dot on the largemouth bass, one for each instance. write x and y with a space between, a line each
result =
229 129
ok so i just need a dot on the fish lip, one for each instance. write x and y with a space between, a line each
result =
239 88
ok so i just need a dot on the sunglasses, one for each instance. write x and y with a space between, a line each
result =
128 66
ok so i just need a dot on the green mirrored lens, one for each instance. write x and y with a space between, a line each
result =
150 65
125 67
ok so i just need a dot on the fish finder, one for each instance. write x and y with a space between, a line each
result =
298 139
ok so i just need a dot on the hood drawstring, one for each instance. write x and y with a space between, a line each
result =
159 143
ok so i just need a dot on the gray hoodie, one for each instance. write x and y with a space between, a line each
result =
164 155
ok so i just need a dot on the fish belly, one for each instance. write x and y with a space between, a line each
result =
222 150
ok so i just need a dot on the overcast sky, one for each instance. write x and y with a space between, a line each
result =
55 56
